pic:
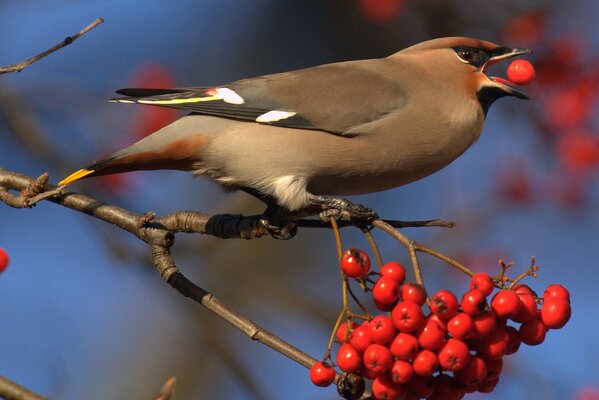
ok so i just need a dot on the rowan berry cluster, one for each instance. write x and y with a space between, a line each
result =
456 347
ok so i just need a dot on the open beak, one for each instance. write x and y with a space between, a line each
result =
505 53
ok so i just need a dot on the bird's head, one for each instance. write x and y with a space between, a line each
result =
465 61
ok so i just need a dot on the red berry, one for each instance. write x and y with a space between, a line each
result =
482 282
431 336
555 312
488 385
413 292
505 304
360 338
378 358
421 386
473 302
528 308
513 343
322 374
384 388
532 332
386 290
4 259
444 304
494 367
495 344
483 324
342 332
520 72
394 270
407 316
404 346
384 307
556 291
348 358
355 263
460 326
454 355
522 289
381 330
473 373
401 371
446 388
425 363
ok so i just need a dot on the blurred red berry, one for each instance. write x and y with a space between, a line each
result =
413 292
422 387
394 270
386 290
407 316
488 385
4 259
147 120
494 367
473 373
579 151
404 346
588 393
355 263
482 282
513 343
348 358
526 29
495 344
444 304
555 313
381 11
446 388
322 374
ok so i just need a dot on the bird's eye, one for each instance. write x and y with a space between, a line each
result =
467 55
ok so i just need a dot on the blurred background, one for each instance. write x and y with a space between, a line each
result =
84 314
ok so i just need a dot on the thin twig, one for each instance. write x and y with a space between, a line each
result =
166 391
10 390
66 41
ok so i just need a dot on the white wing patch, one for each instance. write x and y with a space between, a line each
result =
274 115
229 96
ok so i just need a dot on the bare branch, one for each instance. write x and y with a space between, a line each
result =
10 390
66 41
166 391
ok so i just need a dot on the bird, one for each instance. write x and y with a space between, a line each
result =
299 140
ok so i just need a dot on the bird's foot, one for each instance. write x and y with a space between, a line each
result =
334 207
284 232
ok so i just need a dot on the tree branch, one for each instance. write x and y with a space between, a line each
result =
66 41
10 390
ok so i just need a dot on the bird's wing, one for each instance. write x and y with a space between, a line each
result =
333 97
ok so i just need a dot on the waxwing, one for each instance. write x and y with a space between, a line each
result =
338 129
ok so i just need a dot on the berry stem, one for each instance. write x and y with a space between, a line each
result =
373 246
531 271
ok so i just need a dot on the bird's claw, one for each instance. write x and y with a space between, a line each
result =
284 232
348 211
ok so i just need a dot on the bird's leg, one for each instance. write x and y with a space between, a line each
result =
277 220
333 207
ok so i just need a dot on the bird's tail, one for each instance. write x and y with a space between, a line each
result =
98 168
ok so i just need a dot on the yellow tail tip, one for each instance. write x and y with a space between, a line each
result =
75 176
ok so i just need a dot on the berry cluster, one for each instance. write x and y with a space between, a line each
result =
454 349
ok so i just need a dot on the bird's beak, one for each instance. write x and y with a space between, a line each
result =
500 54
